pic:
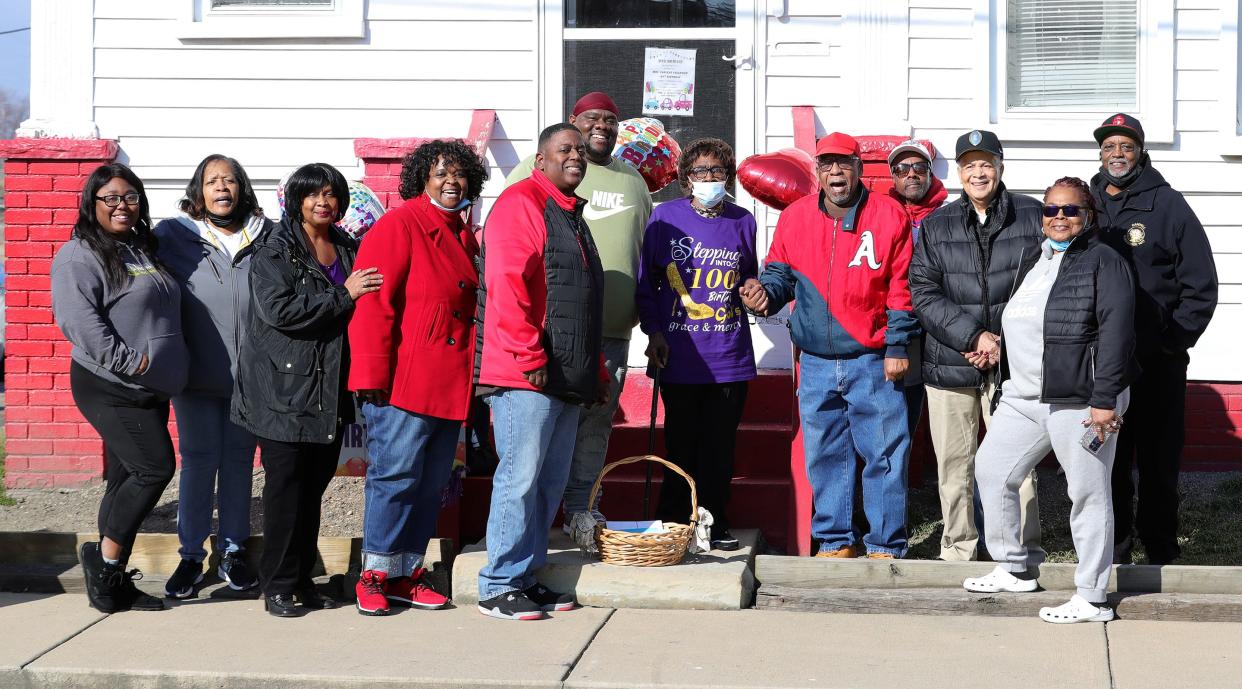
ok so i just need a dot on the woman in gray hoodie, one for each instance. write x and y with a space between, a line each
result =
121 312
207 250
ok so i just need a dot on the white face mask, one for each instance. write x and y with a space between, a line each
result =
708 193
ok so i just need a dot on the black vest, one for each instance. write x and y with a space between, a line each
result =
573 329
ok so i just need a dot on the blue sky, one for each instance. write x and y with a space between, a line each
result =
15 47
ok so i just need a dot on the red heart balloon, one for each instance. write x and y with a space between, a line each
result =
778 179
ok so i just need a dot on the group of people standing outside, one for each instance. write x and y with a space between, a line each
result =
261 333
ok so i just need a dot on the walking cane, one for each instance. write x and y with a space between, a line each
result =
651 440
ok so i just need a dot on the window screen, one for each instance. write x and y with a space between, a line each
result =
1072 54
616 68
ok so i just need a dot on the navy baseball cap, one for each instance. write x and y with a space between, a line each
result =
979 140
1120 123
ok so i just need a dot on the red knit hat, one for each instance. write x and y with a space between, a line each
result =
595 100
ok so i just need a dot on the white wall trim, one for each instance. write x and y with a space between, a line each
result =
1230 103
62 65
1156 95
345 19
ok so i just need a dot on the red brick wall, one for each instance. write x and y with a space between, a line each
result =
48 443
1213 427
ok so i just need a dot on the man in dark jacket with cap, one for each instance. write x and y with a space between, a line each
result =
964 269
1153 227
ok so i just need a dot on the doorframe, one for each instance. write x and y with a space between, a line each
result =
749 109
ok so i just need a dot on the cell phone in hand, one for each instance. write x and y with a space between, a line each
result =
1092 443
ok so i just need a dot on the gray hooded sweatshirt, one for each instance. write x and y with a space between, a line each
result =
111 329
215 298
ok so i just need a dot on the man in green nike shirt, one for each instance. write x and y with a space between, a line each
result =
618 205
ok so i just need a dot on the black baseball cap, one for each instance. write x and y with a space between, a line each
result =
1120 123
979 140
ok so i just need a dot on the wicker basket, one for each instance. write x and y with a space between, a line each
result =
646 550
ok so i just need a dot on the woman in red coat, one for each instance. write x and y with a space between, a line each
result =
412 345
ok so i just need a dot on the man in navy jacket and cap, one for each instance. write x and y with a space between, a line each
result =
1153 227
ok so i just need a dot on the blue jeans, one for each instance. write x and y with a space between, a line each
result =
410 458
213 449
849 410
594 430
535 439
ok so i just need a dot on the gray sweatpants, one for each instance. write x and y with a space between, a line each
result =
1022 432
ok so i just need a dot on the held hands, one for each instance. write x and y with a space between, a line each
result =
986 352
1103 422
143 365
376 396
895 369
538 378
657 350
363 281
754 296
605 394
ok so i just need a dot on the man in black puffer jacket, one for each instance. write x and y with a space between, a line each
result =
1153 228
964 269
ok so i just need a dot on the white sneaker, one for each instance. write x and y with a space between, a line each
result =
1078 609
999 580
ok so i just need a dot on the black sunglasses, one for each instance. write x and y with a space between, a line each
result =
903 169
1071 210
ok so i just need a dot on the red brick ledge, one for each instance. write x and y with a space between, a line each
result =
58 149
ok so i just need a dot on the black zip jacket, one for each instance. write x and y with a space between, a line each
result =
1088 327
961 276
294 358
1155 231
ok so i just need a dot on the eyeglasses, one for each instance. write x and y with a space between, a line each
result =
1125 148
828 162
1071 211
701 173
903 169
114 200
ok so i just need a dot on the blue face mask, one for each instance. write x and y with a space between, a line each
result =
460 206
1059 246
708 193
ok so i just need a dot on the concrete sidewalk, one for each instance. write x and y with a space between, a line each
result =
57 641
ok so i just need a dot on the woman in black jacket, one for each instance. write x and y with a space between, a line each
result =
1066 363
292 369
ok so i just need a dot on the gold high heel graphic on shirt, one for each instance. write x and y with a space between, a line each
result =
694 310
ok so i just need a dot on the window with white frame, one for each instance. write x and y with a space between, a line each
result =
245 19
1062 65
1072 55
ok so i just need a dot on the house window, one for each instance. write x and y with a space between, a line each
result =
1072 55
628 14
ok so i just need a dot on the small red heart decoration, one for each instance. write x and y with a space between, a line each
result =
778 179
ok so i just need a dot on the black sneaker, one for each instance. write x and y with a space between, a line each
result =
102 579
549 600
182 582
723 540
511 605
234 570
133 597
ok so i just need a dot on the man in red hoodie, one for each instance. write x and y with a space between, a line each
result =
918 190
542 361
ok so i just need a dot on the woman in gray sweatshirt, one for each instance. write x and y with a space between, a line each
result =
207 250
122 313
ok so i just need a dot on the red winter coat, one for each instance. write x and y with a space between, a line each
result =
415 336
933 199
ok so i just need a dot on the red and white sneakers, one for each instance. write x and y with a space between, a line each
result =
415 591
370 591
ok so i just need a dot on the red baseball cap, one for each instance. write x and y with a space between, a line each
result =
837 143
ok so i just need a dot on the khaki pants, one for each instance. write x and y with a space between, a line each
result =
953 415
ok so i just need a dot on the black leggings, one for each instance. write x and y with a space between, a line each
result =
296 475
138 451
700 434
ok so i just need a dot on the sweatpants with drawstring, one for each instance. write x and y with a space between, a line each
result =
1022 433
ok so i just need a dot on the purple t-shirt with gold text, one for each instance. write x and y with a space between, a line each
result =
688 282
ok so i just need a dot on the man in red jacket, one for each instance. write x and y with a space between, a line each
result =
844 255
542 311
919 191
